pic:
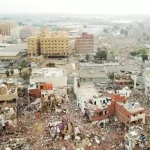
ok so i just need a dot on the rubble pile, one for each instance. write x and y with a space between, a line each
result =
16 144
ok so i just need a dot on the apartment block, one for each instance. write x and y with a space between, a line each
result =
25 33
84 43
106 105
33 46
54 44
5 28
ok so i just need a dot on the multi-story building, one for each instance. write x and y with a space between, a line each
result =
5 28
136 138
33 44
55 76
54 44
1 38
25 33
84 43
101 106
146 76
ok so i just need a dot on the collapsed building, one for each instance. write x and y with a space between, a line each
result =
102 106
8 102
136 138
48 87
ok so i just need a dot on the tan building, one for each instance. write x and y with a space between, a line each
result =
5 28
8 95
33 46
54 44
1 38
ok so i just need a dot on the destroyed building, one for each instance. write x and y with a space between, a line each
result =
136 138
101 106
8 101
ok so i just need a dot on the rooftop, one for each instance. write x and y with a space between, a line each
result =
131 107
13 49
48 72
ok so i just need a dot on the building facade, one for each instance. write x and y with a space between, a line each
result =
54 44
84 43
25 33
5 28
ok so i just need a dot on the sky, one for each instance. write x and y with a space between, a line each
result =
76 6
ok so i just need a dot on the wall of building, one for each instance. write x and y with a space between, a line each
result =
49 44
25 33
38 59
33 46
55 81
84 44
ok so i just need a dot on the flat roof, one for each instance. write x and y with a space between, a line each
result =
5 53
15 48
48 72
96 74
131 107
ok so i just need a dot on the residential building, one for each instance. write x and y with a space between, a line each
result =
146 76
5 28
84 43
25 33
1 38
129 113
136 138
53 44
13 52
33 44
55 76
8 94
101 106
56 44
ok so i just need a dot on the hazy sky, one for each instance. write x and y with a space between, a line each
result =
76 6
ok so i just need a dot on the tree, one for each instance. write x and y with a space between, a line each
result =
126 33
143 51
144 57
26 75
112 54
7 73
105 30
12 72
87 57
133 53
111 76
24 64
101 55
20 70
122 31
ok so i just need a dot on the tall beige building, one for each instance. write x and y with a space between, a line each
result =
54 44
5 28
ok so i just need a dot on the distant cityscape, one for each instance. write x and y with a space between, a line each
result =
74 82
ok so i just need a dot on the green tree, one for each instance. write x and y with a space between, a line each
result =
105 30
133 53
25 75
20 70
7 73
111 76
87 57
30 71
101 55
112 54
12 72
144 57
126 33
24 64
143 51
122 31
